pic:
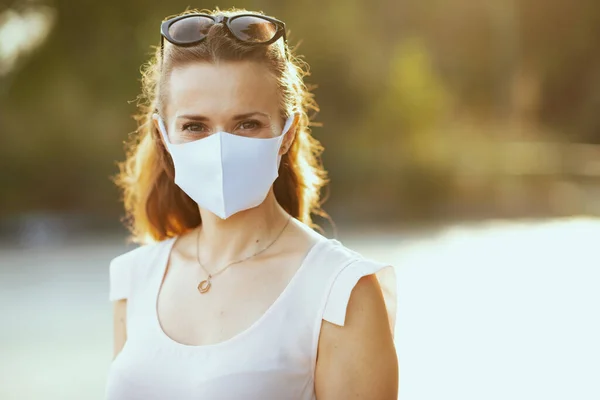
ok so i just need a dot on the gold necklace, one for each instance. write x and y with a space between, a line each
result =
205 285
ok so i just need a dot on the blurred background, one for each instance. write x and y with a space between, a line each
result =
462 140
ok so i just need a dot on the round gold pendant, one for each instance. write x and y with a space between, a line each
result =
204 286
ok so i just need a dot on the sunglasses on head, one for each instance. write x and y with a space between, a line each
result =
190 29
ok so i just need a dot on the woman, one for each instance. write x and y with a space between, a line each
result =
232 295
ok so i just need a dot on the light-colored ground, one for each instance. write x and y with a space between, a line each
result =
497 311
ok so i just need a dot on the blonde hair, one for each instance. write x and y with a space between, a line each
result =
156 208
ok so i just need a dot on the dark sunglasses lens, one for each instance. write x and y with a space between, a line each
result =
191 29
253 29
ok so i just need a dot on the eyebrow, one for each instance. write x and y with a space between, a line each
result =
238 117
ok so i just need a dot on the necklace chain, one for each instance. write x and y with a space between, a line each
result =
205 285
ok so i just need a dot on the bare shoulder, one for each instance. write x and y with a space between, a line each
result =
301 230
366 316
358 360
300 237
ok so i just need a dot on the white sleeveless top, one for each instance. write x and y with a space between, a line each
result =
272 359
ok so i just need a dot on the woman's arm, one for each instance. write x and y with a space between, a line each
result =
358 360
119 326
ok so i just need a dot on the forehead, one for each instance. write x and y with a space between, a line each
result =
222 89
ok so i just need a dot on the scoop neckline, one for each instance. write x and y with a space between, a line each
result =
240 335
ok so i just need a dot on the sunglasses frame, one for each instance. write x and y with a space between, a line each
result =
165 25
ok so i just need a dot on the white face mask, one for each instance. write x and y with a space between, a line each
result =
226 173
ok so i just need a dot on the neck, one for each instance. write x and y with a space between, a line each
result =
223 241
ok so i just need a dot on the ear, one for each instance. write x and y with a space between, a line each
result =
155 118
289 136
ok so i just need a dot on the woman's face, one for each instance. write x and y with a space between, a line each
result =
236 97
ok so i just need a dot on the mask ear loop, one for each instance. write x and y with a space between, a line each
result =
286 128
288 123
162 129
